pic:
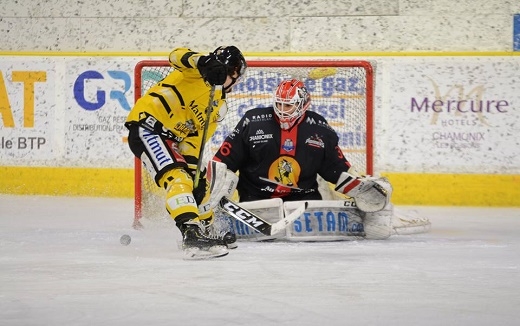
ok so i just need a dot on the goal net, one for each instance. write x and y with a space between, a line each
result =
341 90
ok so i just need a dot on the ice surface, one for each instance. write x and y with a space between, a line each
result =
61 263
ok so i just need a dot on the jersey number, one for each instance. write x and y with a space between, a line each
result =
225 149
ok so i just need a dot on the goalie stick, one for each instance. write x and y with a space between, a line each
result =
279 184
256 222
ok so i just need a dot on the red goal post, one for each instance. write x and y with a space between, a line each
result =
341 90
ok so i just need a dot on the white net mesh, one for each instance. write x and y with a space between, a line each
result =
341 91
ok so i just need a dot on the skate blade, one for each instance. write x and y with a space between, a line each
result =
198 254
233 245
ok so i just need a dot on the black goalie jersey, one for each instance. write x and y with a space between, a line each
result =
282 163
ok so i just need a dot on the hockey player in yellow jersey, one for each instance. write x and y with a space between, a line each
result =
166 128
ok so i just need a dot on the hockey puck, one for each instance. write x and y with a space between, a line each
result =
125 240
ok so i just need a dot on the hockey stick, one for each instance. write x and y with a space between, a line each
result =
256 222
279 184
204 135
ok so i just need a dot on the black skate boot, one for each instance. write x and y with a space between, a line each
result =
197 245
228 237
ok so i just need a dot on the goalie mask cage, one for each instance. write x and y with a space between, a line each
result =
341 90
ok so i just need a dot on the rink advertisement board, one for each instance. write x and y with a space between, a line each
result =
452 115
65 111
433 114
28 111
100 95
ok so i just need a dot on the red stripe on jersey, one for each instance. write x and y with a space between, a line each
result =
287 147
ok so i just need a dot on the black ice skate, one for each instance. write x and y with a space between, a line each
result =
219 231
197 245
229 238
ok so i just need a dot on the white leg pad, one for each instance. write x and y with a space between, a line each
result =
378 225
222 182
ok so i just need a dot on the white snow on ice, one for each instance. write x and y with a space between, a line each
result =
61 264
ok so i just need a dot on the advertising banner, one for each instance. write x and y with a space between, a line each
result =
452 115
434 114
28 111
65 111
99 95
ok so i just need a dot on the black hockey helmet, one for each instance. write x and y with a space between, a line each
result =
232 58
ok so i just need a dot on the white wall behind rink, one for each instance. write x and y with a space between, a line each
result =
258 26
434 114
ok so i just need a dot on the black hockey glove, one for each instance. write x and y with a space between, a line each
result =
212 70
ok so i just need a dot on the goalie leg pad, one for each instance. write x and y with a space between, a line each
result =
222 182
378 225
407 222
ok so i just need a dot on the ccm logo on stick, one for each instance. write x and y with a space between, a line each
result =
242 214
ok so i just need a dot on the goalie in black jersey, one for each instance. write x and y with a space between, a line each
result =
279 151
166 128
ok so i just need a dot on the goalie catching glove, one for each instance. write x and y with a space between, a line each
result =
222 182
370 194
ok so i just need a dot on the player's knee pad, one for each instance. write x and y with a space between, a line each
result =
180 202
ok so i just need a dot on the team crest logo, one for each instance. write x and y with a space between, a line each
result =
288 145
285 171
185 128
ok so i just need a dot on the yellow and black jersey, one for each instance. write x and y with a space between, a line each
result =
179 102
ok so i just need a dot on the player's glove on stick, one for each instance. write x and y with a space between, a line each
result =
212 70
370 194
222 182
